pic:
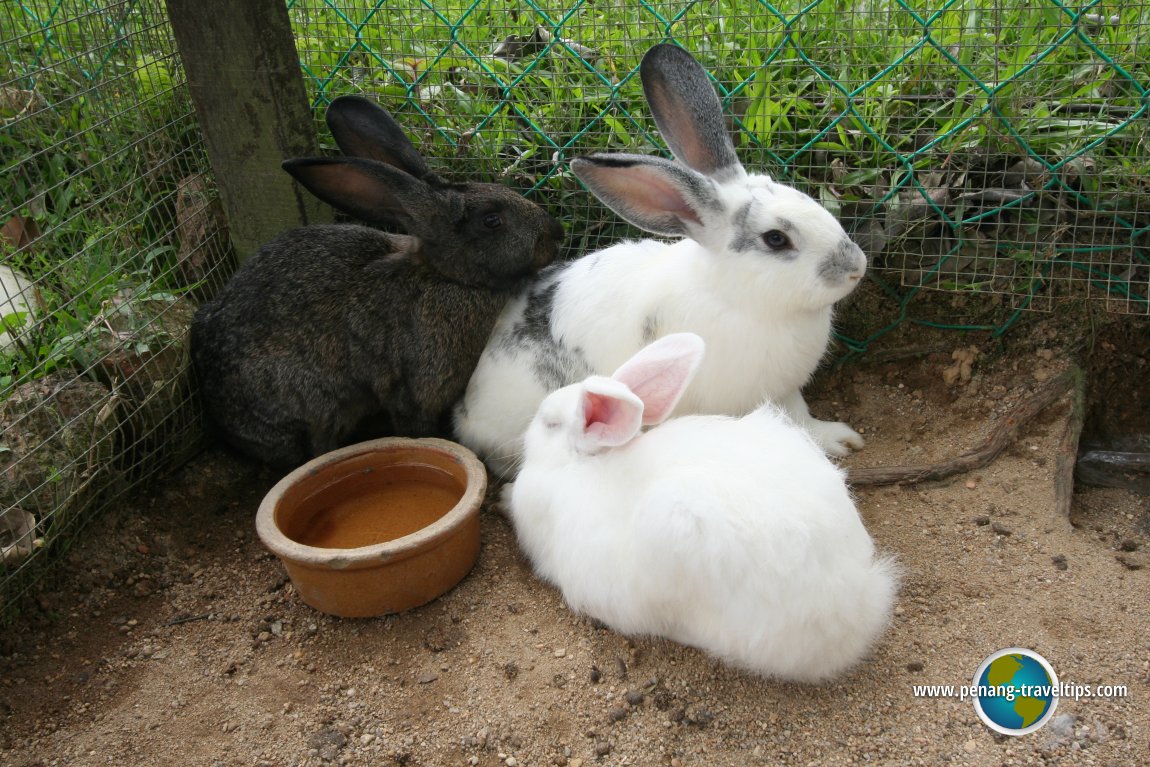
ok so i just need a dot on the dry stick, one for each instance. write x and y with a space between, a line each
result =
188 619
1067 455
1002 435
884 356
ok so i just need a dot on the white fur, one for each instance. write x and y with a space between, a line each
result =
766 327
764 313
734 535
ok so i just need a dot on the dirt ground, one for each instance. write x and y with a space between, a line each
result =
173 637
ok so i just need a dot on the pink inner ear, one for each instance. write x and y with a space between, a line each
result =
654 193
660 372
610 421
660 395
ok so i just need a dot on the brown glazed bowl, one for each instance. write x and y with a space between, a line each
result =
378 527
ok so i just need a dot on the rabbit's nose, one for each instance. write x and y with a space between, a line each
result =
557 233
547 248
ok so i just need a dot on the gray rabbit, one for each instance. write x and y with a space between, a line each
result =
333 333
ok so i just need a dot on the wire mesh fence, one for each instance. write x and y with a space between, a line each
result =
979 145
976 146
108 235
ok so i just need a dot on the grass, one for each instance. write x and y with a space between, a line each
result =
94 138
879 107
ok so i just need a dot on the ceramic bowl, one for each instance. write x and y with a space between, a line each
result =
378 527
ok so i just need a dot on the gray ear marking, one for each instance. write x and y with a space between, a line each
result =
688 112
364 129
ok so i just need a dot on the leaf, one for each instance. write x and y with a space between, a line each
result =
19 231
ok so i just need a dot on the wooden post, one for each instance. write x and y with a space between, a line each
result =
245 80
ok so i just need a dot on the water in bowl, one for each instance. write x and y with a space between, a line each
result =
374 507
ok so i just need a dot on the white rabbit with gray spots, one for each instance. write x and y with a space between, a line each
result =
734 535
756 272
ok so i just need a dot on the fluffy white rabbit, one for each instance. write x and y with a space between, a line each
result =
756 274
734 535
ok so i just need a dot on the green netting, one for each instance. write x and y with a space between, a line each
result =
978 146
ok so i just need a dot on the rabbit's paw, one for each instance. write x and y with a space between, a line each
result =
835 437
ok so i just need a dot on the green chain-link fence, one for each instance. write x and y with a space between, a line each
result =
977 146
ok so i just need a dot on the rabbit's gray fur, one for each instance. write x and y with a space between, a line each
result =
334 333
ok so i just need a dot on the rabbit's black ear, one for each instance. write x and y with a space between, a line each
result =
362 128
370 191
688 112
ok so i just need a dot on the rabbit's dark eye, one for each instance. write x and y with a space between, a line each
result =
776 240
492 221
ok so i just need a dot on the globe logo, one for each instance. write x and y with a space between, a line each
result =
1015 691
